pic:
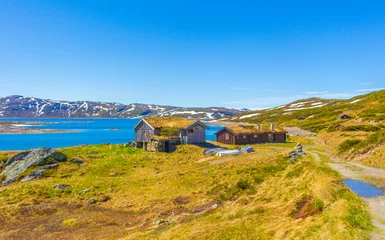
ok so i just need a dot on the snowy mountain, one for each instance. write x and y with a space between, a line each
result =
30 107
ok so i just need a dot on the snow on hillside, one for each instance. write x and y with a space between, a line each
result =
19 106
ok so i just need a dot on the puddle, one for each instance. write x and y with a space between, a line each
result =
363 189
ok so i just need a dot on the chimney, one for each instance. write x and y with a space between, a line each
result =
272 127
258 127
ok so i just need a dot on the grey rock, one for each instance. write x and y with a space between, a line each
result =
214 206
61 186
17 157
22 162
206 172
91 201
39 172
85 191
77 161
160 221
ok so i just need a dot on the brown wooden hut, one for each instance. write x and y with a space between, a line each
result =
249 134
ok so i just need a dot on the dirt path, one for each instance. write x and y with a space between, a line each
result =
356 171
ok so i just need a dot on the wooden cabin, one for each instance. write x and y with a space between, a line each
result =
241 134
164 134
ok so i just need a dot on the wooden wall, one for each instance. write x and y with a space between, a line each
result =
221 137
280 137
143 132
243 139
198 135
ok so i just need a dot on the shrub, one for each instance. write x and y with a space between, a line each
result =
243 184
347 145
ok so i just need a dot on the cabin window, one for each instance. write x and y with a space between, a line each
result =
244 136
255 136
191 131
227 136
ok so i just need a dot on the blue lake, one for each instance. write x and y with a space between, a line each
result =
87 131
363 189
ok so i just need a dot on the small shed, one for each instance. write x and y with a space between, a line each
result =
344 116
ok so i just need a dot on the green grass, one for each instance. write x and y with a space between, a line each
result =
255 196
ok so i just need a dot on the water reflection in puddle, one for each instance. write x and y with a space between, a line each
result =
363 189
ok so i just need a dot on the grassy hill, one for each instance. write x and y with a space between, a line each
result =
360 138
183 195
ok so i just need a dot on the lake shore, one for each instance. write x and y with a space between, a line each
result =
22 128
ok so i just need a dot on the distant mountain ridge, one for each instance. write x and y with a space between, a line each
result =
31 107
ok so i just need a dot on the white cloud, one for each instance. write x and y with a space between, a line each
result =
369 90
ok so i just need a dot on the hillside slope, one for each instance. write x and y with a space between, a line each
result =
183 195
30 107
320 114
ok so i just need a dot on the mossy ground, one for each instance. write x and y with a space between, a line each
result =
251 196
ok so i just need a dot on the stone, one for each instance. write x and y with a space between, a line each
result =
214 206
61 186
160 221
17 157
85 191
206 172
39 172
293 159
104 198
22 161
91 201
77 161
298 147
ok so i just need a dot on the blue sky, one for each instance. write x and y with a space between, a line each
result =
251 54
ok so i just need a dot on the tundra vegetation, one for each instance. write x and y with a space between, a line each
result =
361 138
127 193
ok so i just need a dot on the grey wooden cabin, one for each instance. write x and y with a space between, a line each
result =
170 129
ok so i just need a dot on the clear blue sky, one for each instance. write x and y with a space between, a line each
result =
197 53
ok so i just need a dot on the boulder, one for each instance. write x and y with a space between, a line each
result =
22 161
91 201
39 172
77 161
17 157
61 186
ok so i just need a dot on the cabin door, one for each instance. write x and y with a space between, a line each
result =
167 146
271 137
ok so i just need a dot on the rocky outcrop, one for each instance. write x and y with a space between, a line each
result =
38 173
19 163
298 152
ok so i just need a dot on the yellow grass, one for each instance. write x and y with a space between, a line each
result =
251 196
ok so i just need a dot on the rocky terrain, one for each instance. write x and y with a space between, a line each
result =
30 107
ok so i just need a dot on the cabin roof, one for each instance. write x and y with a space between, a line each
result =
179 123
